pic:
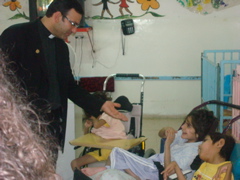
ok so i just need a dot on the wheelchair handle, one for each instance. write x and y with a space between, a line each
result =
125 76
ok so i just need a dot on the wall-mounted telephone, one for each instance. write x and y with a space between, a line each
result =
127 26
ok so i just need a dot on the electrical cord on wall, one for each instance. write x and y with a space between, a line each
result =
98 60
115 61
81 52
93 54
93 51
123 42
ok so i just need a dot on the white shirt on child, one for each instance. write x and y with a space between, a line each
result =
181 152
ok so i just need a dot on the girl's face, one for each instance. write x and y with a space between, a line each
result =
188 132
205 149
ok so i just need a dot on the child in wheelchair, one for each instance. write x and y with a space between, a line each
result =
104 126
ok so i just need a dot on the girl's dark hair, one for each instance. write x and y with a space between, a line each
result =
64 6
100 95
227 148
204 122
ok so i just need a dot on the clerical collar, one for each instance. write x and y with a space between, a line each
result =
44 31
51 36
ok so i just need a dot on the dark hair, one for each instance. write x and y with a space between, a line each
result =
227 148
203 121
100 95
64 6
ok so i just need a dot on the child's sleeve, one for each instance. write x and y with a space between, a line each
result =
178 138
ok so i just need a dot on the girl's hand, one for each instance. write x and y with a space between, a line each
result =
222 169
170 134
170 130
88 123
169 170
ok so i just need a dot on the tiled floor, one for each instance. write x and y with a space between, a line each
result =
150 128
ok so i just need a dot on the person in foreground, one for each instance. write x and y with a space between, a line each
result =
41 61
24 143
215 151
180 146
104 126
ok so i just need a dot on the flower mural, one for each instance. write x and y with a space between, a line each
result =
13 6
146 4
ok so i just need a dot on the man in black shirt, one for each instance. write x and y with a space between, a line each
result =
41 61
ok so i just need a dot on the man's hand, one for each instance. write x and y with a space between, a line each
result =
109 108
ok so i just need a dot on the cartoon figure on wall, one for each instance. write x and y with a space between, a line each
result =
105 7
146 5
125 6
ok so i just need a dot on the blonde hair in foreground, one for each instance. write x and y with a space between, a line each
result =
24 142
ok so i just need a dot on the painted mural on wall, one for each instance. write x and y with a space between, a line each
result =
207 6
125 8
15 6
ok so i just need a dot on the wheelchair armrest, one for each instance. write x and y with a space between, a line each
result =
162 142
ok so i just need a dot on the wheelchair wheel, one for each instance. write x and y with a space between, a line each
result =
149 153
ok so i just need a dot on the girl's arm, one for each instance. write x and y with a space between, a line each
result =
167 154
130 1
173 166
87 126
98 123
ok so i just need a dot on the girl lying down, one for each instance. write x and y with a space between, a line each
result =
181 147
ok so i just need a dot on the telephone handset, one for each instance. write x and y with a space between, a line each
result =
127 27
